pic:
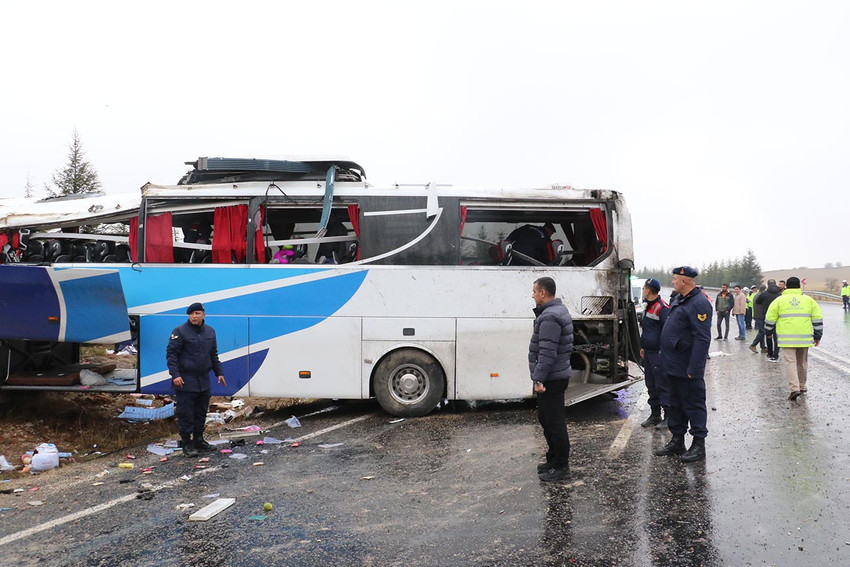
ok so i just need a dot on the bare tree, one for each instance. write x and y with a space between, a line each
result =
29 187
78 175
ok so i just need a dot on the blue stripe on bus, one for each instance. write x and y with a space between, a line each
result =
237 373
27 300
157 284
94 308
319 298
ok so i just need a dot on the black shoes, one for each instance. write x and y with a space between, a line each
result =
794 395
662 424
555 475
653 419
717 338
203 446
695 453
543 467
676 446
189 450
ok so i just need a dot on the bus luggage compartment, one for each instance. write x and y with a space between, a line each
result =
47 313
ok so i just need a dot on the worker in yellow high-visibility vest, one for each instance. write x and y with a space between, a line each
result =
845 294
798 323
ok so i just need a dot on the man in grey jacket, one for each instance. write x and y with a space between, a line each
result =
549 364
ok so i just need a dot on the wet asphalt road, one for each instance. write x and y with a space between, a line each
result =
459 487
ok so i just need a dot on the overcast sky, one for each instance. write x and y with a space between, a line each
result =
725 124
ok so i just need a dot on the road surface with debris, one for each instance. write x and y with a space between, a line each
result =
459 487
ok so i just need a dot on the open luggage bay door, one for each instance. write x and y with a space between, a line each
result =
46 313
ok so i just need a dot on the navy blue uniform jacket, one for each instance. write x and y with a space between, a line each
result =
551 342
191 353
687 335
654 317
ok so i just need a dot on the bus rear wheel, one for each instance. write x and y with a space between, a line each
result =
409 383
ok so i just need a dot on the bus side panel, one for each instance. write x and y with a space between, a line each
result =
329 350
492 359
231 335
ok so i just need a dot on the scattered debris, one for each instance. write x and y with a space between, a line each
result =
330 445
293 422
211 510
271 441
46 457
184 506
257 518
102 473
258 464
35 503
5 465
267 506
238 456
204 460
213 495
157 449
185 477
226 451
125 465
370 477
97 483
131 457
399 420
296 444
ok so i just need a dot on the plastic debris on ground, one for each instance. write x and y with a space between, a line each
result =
185 477
236 404
330 445
258 464
184 506
211 510
257 518
91 378
159 450
399 420
137 414
271 441
46 457
238 456
218 442
5 465
35 503
293 422
213 495
171 444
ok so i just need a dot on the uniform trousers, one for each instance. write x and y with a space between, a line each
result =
552 415
656 380
795 365
191 413
687 406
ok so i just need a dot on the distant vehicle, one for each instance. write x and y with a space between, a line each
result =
637 295
318 284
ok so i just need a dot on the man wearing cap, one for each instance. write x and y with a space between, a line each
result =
845 295
798 323
654 316
191 353
534 242
685 339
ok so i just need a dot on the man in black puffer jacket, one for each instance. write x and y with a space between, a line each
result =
760 305
549 363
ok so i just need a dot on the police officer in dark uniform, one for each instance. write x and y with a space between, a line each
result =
685 340
654 317
534 242
191 353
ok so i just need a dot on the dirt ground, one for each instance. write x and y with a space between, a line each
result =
86 424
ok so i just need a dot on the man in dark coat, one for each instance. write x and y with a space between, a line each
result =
191 353
549 365
685 339
654 317
532 241
760 305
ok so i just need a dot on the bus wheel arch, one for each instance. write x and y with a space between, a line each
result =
408 382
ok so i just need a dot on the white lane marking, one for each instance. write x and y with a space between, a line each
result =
622 438
126 498
822 351
820 358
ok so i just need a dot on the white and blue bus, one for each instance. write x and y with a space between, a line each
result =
319 285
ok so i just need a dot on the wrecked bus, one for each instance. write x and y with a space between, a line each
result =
319 284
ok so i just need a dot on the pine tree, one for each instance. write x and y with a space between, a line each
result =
28 188
78 175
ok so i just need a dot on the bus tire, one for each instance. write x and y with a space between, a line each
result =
408 383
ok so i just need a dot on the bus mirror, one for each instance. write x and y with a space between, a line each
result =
626 264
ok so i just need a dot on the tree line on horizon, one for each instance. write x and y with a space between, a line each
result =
745 271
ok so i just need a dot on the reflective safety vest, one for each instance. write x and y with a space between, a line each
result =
750 298
845 290
797 318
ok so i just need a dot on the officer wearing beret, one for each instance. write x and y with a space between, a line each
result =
684 347
191 353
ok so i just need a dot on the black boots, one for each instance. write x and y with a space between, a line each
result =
555 475
202 445
696 452
189 449
663 423
676 446
653 419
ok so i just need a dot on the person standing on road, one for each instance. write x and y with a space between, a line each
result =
798 323
845 295
723 304
685 339
191 353
549 364
758 318
739 310
762 302
751 295
654 316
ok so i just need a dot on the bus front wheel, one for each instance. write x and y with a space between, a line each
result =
409 383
